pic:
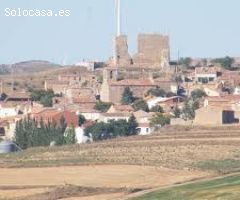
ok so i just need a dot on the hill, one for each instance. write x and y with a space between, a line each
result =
28 67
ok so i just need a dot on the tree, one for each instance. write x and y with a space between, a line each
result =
132 126
185 61
31 133
159 120
112 129
81 120
46 101
97 130
198 94
102 106
61 131
157 92
118 128
141 105
44 97
70 136
177 112
225 62
188 110
21 138
157 108
127 96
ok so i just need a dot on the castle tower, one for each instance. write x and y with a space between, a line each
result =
108 76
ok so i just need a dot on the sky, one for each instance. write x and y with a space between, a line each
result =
197 28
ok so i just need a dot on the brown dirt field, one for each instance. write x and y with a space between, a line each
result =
141 162
20 193
91 176
96 176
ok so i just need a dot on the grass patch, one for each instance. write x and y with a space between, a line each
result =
220 189
220 166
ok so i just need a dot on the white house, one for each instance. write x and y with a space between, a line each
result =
205 74
8 111
144 129
236 91
80 136
90 114
154 101
87 64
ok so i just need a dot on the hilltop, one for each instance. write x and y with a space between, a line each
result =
28 67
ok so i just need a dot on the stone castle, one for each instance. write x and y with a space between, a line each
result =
136 72
153 52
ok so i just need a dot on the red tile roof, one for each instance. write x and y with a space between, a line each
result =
56 115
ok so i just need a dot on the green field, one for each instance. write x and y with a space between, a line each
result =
221 189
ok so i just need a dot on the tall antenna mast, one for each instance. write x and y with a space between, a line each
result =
118 4
12 71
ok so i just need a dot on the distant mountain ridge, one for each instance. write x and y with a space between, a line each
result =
28 67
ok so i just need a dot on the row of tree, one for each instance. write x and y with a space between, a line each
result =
31 133
112 129
225 62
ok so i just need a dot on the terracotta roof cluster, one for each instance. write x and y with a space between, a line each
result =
54 115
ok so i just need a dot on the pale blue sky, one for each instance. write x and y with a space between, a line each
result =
198 28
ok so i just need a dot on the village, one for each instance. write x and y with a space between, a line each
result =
147 90
123 96
119 100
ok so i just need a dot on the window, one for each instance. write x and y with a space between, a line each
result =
211 79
